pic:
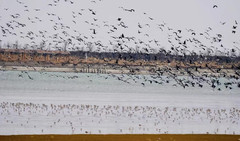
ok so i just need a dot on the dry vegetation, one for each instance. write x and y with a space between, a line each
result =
61 59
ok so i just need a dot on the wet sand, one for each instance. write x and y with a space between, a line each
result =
110 70
128 137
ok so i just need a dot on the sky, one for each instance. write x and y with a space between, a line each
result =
186 26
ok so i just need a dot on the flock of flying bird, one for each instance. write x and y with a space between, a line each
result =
180 41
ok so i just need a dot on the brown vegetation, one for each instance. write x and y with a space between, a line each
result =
59 58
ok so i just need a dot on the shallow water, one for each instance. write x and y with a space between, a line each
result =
78 103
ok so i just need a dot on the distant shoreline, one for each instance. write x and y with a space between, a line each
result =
117 63
131 60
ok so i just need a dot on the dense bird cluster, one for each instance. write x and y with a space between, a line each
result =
95 119
219 81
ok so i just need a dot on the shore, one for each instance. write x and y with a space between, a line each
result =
129 137
116 70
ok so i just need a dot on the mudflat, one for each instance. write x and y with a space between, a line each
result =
124 137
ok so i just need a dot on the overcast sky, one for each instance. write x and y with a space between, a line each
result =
151 20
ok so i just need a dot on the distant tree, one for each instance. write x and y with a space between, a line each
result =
137 49
217 52
42 45
233 52
15 45
8 45
25 46
90 47
65 46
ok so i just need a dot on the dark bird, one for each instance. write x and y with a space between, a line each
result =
94 13
122 36
3 31
94 31
213 85
20 75
223 23
139 25
129 10
150 18
219 35
215 6
29 76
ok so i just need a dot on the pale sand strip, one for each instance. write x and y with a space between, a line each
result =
108 70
